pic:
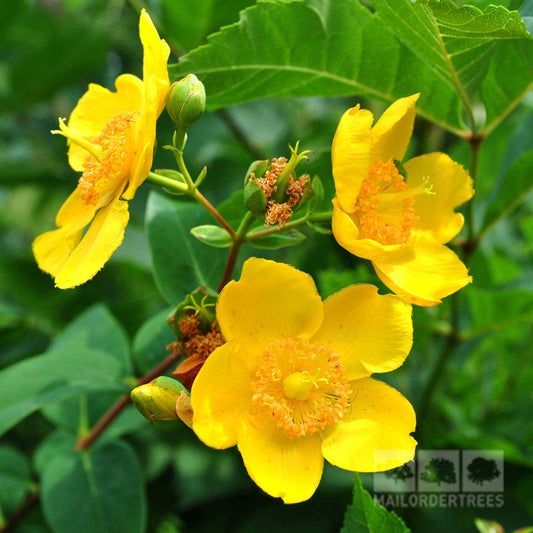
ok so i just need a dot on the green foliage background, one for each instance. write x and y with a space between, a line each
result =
278 72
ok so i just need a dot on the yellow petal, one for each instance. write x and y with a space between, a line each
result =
103 237
451 185
433 274
350 155
155 57
374 434
271 301
393 130
286 468
346 233
220 394
97 107
370 331
52 249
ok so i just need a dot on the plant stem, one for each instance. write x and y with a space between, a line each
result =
24 508
202 200
238 240
86 441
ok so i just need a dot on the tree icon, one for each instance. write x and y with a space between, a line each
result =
481 470
439 470
400 473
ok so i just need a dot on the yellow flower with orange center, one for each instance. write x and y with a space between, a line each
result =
111 138
398 216
292 384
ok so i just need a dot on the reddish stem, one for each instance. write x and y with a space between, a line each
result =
86 441
26 506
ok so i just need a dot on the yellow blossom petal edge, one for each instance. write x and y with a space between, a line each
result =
373 332
285 398
294 467
374 435
260 308
111 136
393 130
436 272
351 153
220 395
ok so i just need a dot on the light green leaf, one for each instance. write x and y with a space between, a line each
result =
97 491
33 383
279 240
212 235
365 515
457 43
351 51
181 263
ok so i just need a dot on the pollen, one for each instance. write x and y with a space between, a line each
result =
106 172
302 385
384 210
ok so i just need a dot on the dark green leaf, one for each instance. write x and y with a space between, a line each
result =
512 190
33 383
15 479
212 235
96 329
351 52
99 491
365 515
150 342
278 240
181 263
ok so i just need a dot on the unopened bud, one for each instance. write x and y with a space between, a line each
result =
186 101
156 401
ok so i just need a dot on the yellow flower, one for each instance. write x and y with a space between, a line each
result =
111 139
291 385
400 224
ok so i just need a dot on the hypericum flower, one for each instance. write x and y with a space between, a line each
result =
111 139
291 385
399 217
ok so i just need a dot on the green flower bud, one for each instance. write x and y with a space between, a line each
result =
156 401
186 101
255 199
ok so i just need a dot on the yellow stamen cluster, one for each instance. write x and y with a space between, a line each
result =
115 158
384 207
302 385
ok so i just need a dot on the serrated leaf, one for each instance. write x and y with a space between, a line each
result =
33 383
365 515
181 263
269 53
512 190
278 240
100 490
458 43
212 235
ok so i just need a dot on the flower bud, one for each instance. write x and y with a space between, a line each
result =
186 101
156 401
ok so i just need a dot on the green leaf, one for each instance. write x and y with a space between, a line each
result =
150 342
96 329
365 515
514 187
187 24
33 383
459 44
15 479
278 240
212 235
181 263
270 53
100 490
